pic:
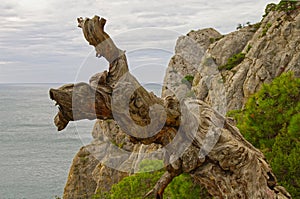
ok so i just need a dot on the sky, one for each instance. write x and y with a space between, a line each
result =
41 43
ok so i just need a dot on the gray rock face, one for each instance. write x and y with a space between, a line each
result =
230 45
269 51
276 49
189 51
209 83
81 183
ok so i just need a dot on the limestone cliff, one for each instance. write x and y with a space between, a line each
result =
269 51
189 51
94 171
269 47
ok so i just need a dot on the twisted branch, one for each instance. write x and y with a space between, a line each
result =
215 153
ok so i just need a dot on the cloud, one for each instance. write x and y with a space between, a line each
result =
40 39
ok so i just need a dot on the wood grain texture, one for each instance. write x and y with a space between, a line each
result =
214 152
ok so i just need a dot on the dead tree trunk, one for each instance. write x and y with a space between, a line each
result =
196 139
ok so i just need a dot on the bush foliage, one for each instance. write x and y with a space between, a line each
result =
284 5
271 122
188 80
233 61
139 184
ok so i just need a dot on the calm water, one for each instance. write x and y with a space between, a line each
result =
35 158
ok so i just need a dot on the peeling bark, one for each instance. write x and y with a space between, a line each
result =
196 139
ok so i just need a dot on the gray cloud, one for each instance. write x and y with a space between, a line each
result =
40 41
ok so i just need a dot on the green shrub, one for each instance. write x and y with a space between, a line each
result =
239 26
139 184
212 40
150 165
184 187
248 48
219 38
271 122
270 7
284 5
256 26
233 61
135 186
265 29
188 80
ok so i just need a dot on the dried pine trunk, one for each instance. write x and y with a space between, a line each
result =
196 139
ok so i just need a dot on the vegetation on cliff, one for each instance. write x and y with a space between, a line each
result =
233 61
284 5
137 185
271 122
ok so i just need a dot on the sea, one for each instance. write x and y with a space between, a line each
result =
35 157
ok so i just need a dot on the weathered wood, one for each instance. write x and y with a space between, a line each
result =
213 151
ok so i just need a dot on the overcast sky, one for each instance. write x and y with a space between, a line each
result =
40 41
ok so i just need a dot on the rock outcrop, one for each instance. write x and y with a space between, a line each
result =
189 52
95 171
269 51
81 183
270 47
